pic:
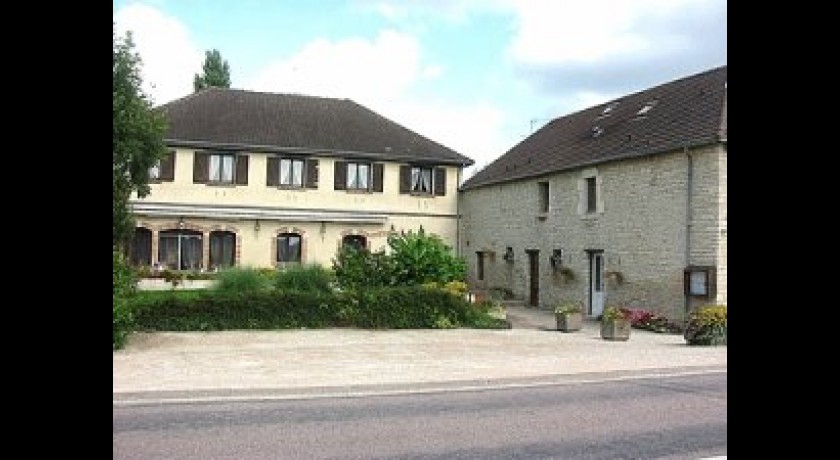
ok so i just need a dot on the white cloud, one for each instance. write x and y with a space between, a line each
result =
169 56
576 32
367 71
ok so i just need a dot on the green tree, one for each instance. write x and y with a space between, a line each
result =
215 72
138 136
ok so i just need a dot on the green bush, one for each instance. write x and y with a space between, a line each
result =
419 258
359 268
304 278
706 326
242 279
124 287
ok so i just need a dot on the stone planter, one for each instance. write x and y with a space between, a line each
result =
569 322
615 329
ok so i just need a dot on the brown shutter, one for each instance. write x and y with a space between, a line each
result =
272 173
440 181
311 173
378 172
241 170
167 166
405 179
340 175
200 167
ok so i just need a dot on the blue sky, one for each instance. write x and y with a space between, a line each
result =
474 75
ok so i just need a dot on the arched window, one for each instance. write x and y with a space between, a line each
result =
180 249
222 249
288 247
354 241
141 247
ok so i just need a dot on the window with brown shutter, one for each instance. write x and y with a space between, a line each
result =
378 176
200 167
272 173
311 173
405 179
241 170
440 182
340 182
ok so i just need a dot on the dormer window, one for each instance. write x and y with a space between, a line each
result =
646 108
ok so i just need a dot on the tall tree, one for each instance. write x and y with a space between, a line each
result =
216 72
138 136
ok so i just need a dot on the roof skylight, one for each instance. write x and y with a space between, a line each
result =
646 108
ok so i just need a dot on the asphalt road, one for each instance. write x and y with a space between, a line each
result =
672 418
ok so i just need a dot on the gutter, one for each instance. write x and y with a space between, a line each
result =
688 215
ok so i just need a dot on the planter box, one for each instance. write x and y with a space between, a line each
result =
615 329
569 322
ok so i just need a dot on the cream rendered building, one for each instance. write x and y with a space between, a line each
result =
263 180
622 203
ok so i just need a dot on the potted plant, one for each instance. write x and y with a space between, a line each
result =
569 316
706 326
615 323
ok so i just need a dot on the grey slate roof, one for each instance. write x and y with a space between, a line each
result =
689 112
234 119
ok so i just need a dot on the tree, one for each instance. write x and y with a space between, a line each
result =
138 136
216 72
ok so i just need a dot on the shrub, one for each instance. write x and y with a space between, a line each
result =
242 279
358 268
124 284
706 326
420 258
304 278
643 319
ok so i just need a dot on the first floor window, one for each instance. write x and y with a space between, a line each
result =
480 265
180 249
221 168
222 249
154 171
291 172
358 176
141 247
354 241
288 247
591 203
421 180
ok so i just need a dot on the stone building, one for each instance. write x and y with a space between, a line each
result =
622 203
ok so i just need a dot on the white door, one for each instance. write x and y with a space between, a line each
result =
596 283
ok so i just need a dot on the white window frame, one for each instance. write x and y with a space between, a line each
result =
294 169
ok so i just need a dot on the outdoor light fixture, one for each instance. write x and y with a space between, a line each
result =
256 225
181 223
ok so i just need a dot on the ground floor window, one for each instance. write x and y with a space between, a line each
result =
222 249
354 241
141 247
288 247
180 250
480 265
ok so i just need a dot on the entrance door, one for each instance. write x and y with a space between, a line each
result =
534 277
596 283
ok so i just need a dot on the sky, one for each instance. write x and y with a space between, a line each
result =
477 76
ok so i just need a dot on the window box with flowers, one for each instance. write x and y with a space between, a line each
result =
569 317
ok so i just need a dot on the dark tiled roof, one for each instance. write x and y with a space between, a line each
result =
248 120
688 112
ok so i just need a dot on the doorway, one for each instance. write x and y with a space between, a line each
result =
596 282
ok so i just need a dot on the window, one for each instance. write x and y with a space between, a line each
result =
221 168
180 250
141 247
355 241
163 169
543 196
358 176
591 198
480 265
422 180
222 249
291 172
288 247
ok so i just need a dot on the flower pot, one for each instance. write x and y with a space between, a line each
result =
615 329
569 322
